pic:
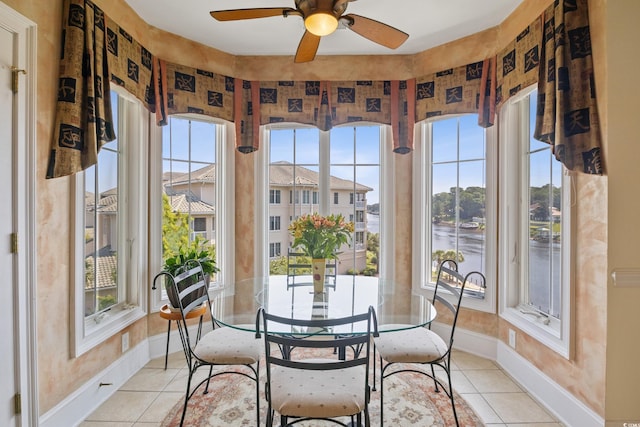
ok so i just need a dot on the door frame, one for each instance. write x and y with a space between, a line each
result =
24 206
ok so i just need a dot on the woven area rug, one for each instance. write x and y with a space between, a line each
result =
409 400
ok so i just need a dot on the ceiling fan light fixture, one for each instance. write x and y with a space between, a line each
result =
321 23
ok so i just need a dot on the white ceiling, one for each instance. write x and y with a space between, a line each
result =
429 23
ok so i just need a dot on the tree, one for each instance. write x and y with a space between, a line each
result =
441 255
175 229
278 266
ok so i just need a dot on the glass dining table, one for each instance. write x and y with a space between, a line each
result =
396 307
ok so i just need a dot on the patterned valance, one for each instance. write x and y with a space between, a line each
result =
168 88
327 104
451 91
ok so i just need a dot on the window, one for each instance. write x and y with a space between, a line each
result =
192 194
455 205
274 197
274 249
110 234
200 225
189 171
345 161
536 231
274 223
350 198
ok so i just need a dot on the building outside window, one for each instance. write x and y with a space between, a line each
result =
274 249
274 223
274 197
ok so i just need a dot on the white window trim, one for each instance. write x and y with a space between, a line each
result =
422 215
557 335
225 206
88 333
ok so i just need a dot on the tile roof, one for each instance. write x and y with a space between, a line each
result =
189 203
282 174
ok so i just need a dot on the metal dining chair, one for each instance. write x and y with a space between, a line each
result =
420 345
220 346
316 387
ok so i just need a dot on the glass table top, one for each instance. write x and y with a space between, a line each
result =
396 307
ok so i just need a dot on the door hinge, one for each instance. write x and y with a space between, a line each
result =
17 404
14 81
14 243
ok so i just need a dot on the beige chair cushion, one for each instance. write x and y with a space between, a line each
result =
417 345
229 346
334 393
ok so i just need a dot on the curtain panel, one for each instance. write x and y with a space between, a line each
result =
567 114
83 110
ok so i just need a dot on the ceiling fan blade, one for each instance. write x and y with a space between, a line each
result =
376 31
260 12
308 47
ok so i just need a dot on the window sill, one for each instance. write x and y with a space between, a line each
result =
538 327
469 301
98 329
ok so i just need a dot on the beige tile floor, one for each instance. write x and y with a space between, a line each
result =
149 395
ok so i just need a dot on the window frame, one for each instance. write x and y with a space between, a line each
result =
88 332
556 334
224 223
387 195
422 217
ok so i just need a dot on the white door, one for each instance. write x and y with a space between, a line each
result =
8 336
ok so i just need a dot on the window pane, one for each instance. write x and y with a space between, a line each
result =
445 136
472 143
368 145
101 225
545 226
307 146
281 146
342 148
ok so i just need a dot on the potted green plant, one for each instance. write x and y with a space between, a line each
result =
203 252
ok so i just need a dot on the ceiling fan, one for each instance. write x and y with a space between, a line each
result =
321 18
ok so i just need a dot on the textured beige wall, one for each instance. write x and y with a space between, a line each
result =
60 374
623 316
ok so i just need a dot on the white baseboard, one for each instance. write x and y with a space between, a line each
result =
569 410
562 404
88 397
469 341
